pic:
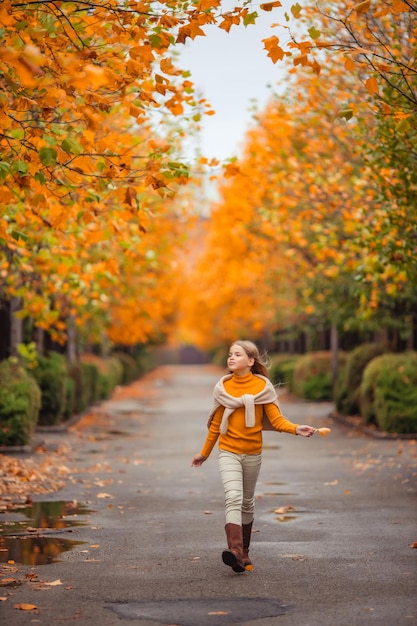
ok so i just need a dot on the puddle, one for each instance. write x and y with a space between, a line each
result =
204 611
43 515
34 550
22 531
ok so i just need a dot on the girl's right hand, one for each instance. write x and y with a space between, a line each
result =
198 460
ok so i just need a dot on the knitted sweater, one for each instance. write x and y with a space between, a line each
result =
240 438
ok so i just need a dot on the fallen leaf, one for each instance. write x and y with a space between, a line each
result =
5 582
283 509
104 495
54 583
323 431
218 613
413 545
3 598
95 545
22 606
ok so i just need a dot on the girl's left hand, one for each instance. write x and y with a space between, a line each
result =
305 431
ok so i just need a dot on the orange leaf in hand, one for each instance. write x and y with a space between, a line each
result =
323 431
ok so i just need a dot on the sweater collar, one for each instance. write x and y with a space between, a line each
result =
242 380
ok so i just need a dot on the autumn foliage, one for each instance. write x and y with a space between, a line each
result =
316 222
315 227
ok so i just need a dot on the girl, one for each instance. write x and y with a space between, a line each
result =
241 399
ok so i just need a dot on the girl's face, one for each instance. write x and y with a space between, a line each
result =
239 362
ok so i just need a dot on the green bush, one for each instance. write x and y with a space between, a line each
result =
313 375
131 369
367 388
281 369
51 374
389 392
347 396
20 399
109 374
69 404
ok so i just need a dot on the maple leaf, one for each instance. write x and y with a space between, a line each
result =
275 52
268 6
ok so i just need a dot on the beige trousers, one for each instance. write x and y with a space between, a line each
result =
239 473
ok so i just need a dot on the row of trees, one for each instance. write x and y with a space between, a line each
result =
318 227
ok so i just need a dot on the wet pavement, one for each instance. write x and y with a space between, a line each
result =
142 532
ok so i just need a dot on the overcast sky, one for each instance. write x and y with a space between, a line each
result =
232 69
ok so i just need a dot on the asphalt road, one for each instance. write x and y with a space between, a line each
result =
335 518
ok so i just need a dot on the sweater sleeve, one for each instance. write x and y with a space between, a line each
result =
213 432
278 421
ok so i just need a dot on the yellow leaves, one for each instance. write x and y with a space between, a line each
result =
143 54
230 170
89 77
167 67
398 6
323 431
362 7
275 52
371 85
24 606
206 5
229 19
268 6
191 30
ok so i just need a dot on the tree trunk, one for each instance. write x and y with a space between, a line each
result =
334 347
40 340
72 340
16 326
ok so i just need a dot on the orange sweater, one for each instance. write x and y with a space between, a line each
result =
240 439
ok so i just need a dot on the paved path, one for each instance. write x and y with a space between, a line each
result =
335 517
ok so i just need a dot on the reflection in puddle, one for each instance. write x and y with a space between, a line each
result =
21 540
43 515
34 550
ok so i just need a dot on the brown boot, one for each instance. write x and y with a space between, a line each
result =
233 556
247 533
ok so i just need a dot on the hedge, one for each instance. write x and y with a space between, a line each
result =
53 377
281 369
313 375
388 394
20 400
109 375
347 398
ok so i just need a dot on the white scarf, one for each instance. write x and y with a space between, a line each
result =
248 400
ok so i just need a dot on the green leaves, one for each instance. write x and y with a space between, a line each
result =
48 156
72 146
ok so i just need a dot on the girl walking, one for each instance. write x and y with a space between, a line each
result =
242 400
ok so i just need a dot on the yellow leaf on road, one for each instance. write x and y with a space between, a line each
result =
22 606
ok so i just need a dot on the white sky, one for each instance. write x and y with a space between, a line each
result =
231 70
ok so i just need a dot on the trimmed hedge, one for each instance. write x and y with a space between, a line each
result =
109 375
131 369
20 400
347 397
281 369
53 378
313 375
389 392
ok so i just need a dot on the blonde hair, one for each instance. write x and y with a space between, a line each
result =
252 350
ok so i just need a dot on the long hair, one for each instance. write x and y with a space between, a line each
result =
252 350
